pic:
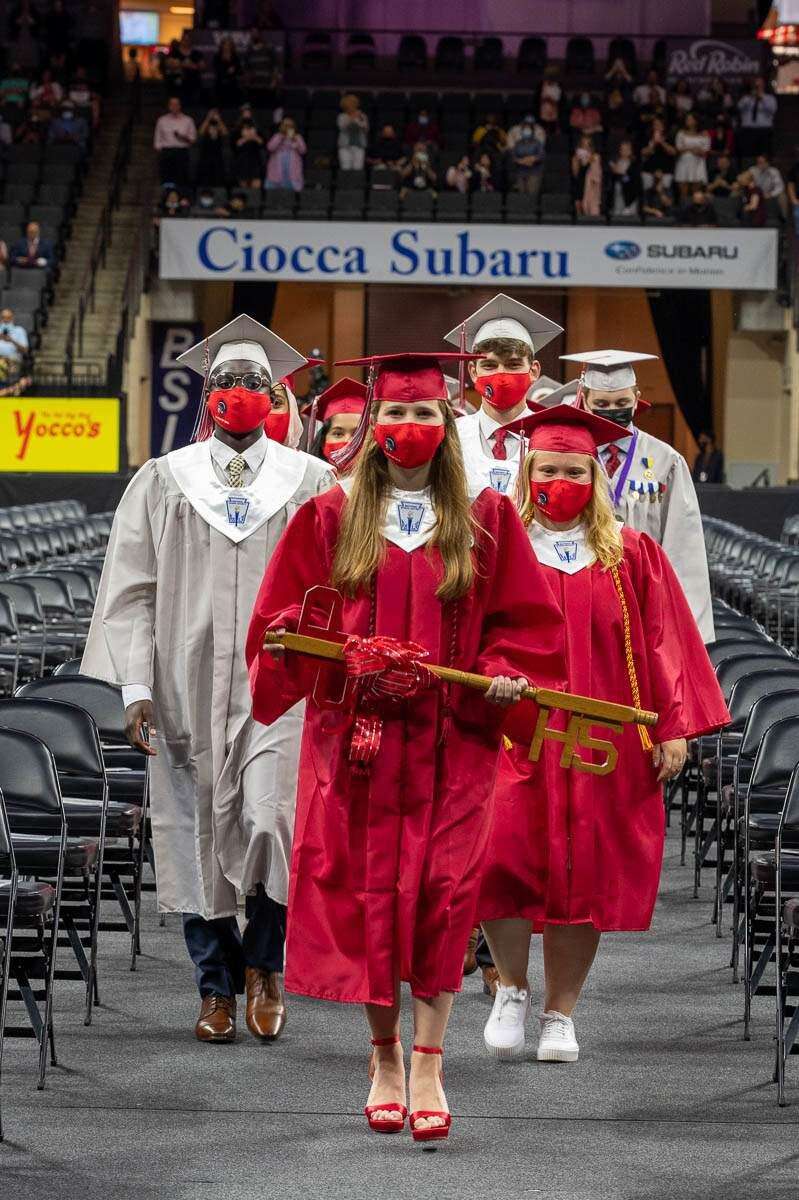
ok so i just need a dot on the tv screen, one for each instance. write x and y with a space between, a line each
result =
138 28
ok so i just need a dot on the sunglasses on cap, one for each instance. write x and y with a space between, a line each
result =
251 380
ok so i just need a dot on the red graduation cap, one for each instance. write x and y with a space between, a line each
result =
345 396
567 429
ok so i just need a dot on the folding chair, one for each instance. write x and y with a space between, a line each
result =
9 880
786 932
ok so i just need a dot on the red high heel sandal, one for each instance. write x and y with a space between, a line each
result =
431 1133
385 1125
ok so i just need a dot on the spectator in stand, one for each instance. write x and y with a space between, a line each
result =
386 149
714 97
173 204
60 63
770 181
240 206
658 154
756 110
249 157
418 174
709 462
353 134
485 177
227 72
618 73
700 210
13 341
3 254
284 168
32 250
681 99
651 93
82 96
206 206
247 113
792 181
490 137
175 134
523 129
585 116
722 136
587 178
527 162
722 182
46 95
624 182
658 200
549 99
181 69
459 175
32 131
752 209
212 140
693 147
14 89
619 116
423 128
262 73
68 129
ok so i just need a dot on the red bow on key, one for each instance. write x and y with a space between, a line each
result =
384 669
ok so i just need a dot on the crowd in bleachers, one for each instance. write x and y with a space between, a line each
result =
625 147
49 108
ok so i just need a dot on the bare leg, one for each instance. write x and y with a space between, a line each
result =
430 1019
509 943
388 1082
569 951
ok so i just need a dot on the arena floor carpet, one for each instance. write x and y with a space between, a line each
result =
667 1101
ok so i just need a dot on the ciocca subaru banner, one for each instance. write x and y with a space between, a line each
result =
505 255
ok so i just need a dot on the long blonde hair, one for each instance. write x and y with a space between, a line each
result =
602 531
361 546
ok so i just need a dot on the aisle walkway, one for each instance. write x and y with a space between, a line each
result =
667 1101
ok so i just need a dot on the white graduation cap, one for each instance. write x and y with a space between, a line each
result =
608 370
565 393
504 317
245 338
542 387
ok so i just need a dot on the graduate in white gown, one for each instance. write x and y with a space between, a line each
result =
650 481
191 539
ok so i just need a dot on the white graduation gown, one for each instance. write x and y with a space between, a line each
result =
482 469
183 567
658 497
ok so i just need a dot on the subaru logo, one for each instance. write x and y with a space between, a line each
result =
622 250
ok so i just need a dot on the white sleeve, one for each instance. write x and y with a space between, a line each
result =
131 692
684 542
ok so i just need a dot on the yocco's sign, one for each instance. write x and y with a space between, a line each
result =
59 434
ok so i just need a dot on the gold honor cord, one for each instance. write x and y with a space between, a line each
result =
632 674
585 710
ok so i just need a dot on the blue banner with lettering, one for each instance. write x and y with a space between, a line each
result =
176 391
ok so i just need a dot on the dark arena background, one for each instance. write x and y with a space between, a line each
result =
360 177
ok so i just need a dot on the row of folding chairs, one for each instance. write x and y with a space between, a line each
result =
757 575
739 794
73 847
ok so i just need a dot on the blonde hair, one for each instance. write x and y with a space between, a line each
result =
602 532
361 546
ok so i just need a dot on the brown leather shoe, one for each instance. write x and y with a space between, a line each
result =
217 1020
490 980
266 1008
470 957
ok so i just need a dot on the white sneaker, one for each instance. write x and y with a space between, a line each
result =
504 1031
557 1042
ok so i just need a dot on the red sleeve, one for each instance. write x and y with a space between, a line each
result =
522 631
300 561
684 688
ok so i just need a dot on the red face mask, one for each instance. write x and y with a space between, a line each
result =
277 426
409 444
503 389
561 499
238 409
332 447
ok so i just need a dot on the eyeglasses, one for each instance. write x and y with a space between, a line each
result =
252 381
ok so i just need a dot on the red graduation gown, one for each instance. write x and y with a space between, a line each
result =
569 848
386 869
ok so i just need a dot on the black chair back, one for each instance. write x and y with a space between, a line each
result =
69 732
719 651
70 667
101 699
28 778
750 688
777 755
767 712
731 670
8 618
26 601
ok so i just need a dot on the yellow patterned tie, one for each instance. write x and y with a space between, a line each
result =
235 471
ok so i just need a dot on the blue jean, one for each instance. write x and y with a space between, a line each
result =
220 952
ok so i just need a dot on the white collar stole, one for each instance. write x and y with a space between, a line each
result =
564 549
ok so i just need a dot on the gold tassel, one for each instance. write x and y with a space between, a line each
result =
643 732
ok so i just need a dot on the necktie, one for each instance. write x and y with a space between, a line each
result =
498 449
235 471
613 460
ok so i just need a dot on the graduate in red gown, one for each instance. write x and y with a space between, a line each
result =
574 854
389 846
336 415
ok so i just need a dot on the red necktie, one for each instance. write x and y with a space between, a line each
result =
498 449
613 460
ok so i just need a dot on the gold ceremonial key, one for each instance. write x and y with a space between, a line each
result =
577 733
